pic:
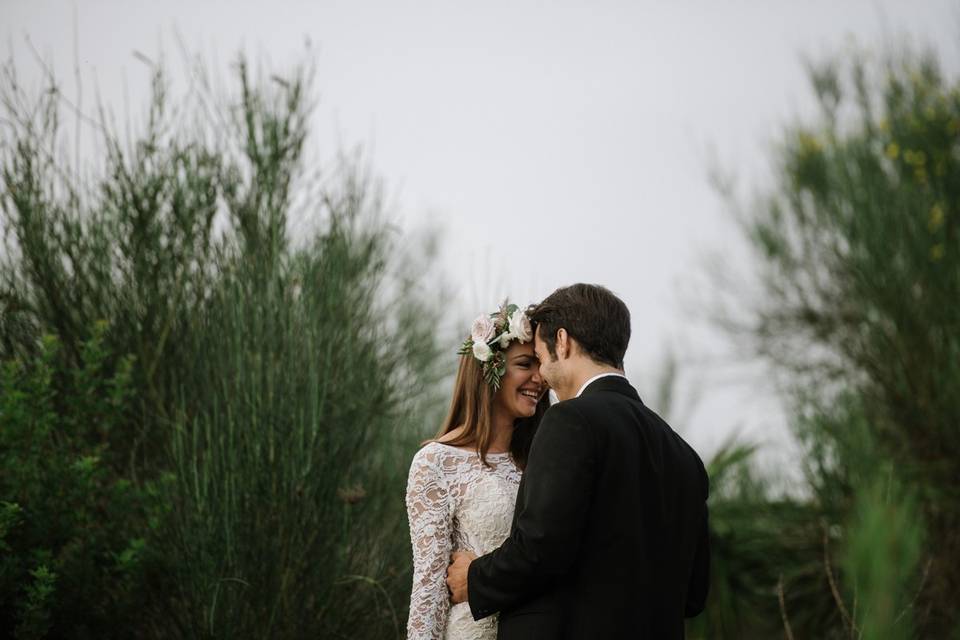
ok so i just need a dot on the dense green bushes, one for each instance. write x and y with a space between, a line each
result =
72 531
859 258
205 420
217 445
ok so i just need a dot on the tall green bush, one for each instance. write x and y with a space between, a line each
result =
277 381
859 262
293 437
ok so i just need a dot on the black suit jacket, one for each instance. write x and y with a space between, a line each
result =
609 536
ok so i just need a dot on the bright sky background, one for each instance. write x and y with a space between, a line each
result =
553 142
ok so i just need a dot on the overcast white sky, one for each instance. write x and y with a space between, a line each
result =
554 142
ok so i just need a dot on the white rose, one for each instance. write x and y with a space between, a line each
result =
505 339
520 326
482 329
482 351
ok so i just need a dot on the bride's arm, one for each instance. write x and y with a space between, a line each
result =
430 514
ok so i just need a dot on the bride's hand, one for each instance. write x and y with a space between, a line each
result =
457 575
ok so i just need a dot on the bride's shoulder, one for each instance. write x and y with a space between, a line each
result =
439 454
430 454
432 464
442 449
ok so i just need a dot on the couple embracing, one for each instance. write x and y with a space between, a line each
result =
586 519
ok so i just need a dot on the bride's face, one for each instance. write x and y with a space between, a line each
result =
521 385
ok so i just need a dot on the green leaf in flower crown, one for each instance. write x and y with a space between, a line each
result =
511 308
490 376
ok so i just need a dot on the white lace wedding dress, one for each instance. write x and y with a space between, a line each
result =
454 504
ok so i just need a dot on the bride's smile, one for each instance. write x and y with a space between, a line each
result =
463 484
521 386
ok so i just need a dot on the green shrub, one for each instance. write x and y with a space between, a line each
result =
884 546
70 530
293 442
280 380
858 250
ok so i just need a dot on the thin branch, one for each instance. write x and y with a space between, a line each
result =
783 609
51 76
853 613
848 622
923 582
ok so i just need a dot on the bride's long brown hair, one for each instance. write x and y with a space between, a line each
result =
472 407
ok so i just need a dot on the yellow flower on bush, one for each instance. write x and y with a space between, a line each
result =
936 218
937 251
809 144
893 150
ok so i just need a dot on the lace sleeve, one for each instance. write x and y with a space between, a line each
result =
430 514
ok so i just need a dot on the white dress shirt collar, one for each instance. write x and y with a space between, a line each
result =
597 377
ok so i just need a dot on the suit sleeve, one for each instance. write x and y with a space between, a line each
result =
557 489
699 583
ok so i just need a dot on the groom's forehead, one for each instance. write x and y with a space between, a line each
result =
537 343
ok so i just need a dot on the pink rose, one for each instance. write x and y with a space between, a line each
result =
482 329
520 326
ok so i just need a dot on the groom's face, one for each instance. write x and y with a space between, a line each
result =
548 363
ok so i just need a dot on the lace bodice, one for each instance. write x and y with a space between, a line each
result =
454 503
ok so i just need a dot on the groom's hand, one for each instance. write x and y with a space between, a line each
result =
457 575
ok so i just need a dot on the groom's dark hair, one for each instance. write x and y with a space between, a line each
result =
592 315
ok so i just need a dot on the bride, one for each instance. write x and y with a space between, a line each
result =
463 484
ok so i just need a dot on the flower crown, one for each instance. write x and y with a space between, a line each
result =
490 336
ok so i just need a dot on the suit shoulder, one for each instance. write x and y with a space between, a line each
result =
599 401
564 412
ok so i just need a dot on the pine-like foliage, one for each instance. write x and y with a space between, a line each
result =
858 247
277 352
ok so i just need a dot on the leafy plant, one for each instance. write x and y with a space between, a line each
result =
66 522
276 383
859 253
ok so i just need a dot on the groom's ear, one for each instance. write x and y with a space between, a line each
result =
563 343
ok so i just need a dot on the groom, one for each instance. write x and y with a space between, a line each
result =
609 536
